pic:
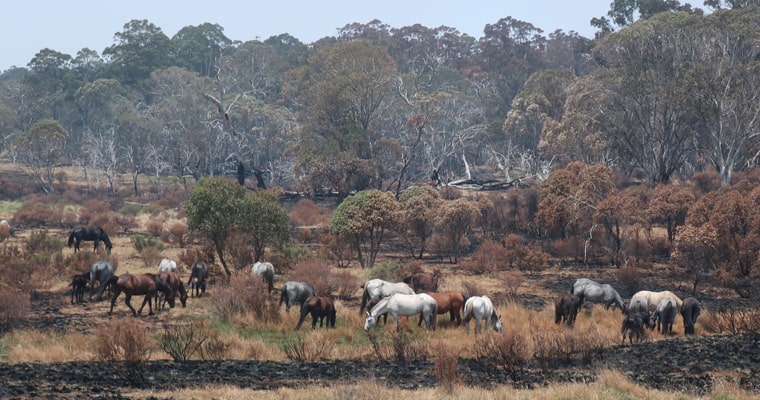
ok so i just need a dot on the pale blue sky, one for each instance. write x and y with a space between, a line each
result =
68 26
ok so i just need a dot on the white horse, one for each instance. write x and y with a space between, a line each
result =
100 271
654 298
266 271
405 304
596 292
378 288
481 307
167 265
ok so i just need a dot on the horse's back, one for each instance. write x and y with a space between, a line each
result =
167 265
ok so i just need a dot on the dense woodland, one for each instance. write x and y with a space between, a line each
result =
649 126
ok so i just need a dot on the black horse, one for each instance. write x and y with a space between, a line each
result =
96 234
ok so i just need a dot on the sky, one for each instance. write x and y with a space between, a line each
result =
69 26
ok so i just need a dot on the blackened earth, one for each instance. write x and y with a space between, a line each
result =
688 364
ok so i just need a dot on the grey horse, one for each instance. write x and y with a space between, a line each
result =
295 292
101 271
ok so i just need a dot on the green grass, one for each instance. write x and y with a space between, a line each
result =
8 208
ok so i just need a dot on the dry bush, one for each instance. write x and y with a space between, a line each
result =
571 248
173 197
489 257
509 351
176 233
512 281
15 272
629 275
91 211
307 213
123 339
533 259
470 289
38 212
401 346
446 367
14 307
335 249
345 284
315 346
316 272
238 253
154 228
183 341
149 249
561 347
243 295
125 223
731 320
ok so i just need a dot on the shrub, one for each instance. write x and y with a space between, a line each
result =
239 252
509 351
122 340
307 213
245 295
629 275
176 233
446 367
130 209
316 272
315 346
155 228
345 283
183 341
489 257
732 320
14 307
335 249
552 348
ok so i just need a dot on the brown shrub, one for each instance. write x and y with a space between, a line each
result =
512 281
14 307
154 228
307 213
177 231
345 283
489 257
509 351
315 346
124 339
567 248
125 222
731 320
552 348
335 249
446 367
470 289
186 340
37 212
245 295
316 272
239 252
629 275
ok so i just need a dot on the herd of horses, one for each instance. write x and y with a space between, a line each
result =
646 309
417 294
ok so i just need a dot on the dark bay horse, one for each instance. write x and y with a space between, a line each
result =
78 286
423 283
448 302
198 276
320 307
690 311
96 234
175 282
141 285
566 307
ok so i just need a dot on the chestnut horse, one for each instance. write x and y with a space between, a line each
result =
141 285
566 307
423 283
320 307
448 302
175 282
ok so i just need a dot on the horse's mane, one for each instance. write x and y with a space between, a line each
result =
380 304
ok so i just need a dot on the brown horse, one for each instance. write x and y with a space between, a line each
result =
448 302
175 282
423 283
566 307
141 285
78 286
320 307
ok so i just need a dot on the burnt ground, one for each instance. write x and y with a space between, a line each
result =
689 364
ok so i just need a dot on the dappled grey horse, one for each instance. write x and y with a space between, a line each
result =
295 292
595 292
100 271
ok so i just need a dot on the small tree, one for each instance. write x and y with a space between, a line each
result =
418 208
455 223
263 221
363 219
40 148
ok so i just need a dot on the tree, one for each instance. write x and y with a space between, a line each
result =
140 49
363 219
40 148
263 221
454 223
200 48
418 209
213 211
669 206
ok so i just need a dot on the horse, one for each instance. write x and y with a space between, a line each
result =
198 276
404 304
633 325
640 305
654 298
448 302
295 292
141 285
372 303
664 315
481 307
100 271
175 282
378 288
167 265
423 283
320 307
566 307
78 286
266 271
6 230
96 234
596 292
690 311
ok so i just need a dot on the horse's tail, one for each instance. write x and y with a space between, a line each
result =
71 238
365 298
283 295
111 281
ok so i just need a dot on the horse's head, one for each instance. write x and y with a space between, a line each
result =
497 325
369 322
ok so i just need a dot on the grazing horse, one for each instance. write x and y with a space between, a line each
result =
481 307
404 304
448 302
198 276
423 283
664 315
640 305
654 298
141 285
295 292
566 307
175 282
266 271
378 288
633 325
372 303
6 230
596 292
78 286
96 234
167 265
320 307
100 271
690 311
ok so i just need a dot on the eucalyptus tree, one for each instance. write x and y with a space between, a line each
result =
139 49
39 148
200 48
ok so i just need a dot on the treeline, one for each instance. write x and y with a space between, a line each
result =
671 94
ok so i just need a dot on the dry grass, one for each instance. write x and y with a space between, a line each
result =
609 386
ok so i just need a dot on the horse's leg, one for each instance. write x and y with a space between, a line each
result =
127 298
395 320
